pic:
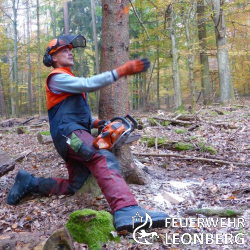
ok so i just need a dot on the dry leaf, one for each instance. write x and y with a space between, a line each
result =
14 226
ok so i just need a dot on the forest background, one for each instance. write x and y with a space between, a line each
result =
198 50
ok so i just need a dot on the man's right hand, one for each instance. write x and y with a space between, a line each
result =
133 67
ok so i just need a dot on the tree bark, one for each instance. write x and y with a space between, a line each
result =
222 51
28 60
175 54
114 53
14 8
202 33
39 61
191 57
114 99
2 101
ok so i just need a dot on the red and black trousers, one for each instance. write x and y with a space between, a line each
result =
101 163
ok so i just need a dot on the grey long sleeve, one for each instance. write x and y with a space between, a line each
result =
64 83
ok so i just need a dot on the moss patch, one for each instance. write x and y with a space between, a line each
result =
207 148
91 227
180 131
184 146
151 141
45 132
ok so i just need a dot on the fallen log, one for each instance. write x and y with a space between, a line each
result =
215 212
186 157
7 163
174 121
21 124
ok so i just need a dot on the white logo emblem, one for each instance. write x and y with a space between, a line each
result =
143 234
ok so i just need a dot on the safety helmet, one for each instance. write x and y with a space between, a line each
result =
72 41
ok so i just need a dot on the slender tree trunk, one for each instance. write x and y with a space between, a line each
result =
222 51
158 77
28 60
96 48
14 8
175 55
186 20
2 101
39 61
66 17
114 100
202 33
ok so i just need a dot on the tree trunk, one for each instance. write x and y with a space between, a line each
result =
222 51
202 33
66 17
2 101
114 53
96 48
186 19
114 99
28 60
175 55
14 8
39 61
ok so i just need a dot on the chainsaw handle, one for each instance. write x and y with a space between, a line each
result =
124 121
132 120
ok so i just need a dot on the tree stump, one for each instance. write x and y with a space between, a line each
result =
60 239
130 172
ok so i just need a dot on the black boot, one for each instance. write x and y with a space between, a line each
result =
25 183
126 218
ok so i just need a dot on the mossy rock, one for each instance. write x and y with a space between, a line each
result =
91 227
46 133
180 131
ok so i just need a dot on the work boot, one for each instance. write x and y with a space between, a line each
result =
129 218
25 183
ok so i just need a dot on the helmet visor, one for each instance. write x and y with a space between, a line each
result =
74 40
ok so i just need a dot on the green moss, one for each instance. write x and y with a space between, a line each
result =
180 131
207 148
151 121
45 132
151 141
181 110
91 227
184 146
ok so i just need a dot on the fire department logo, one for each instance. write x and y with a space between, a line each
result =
143 235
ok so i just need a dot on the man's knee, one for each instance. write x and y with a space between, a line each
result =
111 160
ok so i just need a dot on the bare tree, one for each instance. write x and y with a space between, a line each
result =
202 33
222 51
170 20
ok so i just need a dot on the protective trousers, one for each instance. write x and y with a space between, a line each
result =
85 160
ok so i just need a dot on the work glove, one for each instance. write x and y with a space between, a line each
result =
102 124
133 67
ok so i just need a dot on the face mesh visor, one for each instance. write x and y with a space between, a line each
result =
75 40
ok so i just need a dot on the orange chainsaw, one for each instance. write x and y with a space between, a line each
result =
116 133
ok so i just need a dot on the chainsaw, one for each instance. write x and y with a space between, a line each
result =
116 132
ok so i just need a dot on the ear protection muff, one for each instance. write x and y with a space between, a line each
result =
47 58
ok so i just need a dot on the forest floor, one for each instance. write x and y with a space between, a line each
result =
201 184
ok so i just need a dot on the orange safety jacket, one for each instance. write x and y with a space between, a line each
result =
53 98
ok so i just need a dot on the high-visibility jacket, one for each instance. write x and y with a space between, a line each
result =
67 112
